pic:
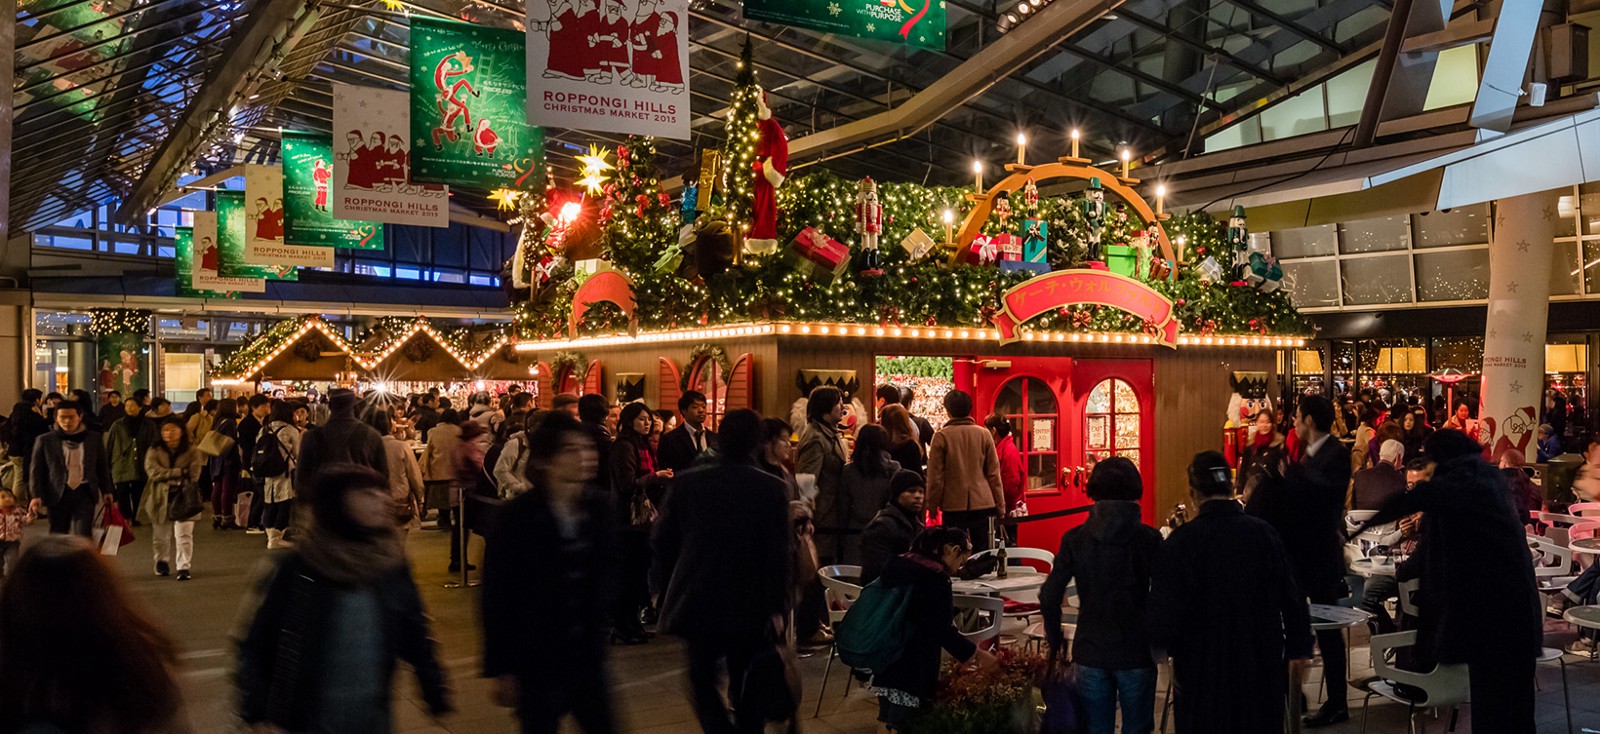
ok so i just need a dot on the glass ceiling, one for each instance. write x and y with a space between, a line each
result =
99 82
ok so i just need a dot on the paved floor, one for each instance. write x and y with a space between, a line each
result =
649 688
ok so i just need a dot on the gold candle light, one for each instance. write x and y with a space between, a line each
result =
977 177
1074 142
1126 156
1022 149
1161 198
949 226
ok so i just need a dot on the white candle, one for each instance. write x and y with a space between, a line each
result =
977 177
1022 149
1074 142
1161 196
1126 156
949 226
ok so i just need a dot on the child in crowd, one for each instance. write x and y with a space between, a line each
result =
13 518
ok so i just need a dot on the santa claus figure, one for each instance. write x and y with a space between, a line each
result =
869 224
771 169
485 139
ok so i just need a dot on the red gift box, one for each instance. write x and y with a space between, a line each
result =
982 250
1009 247
818 256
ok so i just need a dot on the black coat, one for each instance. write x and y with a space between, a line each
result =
48 475
723 553
281 653
677 450
26 426
342 440
1371 488
249 430
929 615
1306 507
1111 556
1478 600
1225 605
888 535
625 477
545 597
426 418
909 455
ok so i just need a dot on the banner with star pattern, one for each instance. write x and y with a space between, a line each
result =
918 23
611 68
469 116
308 198
372 161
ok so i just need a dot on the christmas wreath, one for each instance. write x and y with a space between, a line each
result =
697 357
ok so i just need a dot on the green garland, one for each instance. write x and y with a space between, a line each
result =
934 367
574 362
119 321
712 352
244 359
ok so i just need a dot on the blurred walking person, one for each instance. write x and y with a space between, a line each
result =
636 487
172 498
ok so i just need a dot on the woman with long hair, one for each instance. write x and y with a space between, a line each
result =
277 492
172 498
329 620
225 469
544 631
1263 455
905 444
76 655
864 487
776 453
822 455
637 485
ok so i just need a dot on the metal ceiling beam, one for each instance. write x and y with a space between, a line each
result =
1233 59
267 32
1284 22
972 78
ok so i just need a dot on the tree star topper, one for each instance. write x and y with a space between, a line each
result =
594 169
505 199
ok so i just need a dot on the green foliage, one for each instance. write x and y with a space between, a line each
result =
244 359
932 367
984 701
742 134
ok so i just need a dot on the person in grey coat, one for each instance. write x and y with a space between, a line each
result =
70 473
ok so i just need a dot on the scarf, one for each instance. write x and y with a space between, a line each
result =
72 438
347 561
1263 439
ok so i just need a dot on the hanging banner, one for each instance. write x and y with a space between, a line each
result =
123 359
231 243
372 179
633 79
918 23
264 245
308 198
205 258
1062 288
469 107
183 254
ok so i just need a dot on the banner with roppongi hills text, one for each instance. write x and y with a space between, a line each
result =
622 67
372 161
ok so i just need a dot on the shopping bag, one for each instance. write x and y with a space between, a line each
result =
1058 687
772 682
241 508
112 541
113 518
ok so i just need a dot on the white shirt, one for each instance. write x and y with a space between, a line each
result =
1315 446
73 451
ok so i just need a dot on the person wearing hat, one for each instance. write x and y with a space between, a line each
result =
894 527
1225 606
1373 486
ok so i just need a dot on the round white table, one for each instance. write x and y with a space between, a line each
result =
1369 568
1590 546
1331 617
989 585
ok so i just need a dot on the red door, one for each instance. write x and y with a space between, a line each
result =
1062 412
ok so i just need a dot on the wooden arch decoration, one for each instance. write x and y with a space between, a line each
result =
667 386
593 384
608 286
972 226
741 384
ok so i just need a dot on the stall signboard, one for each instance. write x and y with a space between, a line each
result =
199 258
372 179
231 261
632 79
264 243
919 23
469 116
308 198
1063 288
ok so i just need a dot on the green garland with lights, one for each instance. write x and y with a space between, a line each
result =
243 359
573 362
119 321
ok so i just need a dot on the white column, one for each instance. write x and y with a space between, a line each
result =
1519 302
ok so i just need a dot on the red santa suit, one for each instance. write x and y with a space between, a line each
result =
611 42
652 41
321 176
568 43
208 259
485 139
771 168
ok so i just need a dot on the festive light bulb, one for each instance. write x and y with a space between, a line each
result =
1074 142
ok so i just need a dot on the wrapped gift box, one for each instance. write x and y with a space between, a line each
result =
983 250
1009 247
1122 259
818 256
1036 241
918 244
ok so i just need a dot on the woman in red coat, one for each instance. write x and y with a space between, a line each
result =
1013 473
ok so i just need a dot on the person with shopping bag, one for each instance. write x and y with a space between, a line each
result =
172 498
70 474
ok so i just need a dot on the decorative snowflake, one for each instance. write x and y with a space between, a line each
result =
834 9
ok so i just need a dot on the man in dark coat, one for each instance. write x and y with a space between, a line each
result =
682 445
1471 536
891 531
723 552
1374 486
26 424
426 417
70 472
342 439
592 410
1225 606
1306 507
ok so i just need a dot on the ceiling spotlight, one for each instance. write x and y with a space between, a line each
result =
1011 18
1023 8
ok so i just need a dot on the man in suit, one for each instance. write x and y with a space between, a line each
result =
1306 507
682 445
723 561
70 472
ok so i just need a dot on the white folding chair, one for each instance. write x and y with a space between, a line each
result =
1445 685
1026 601
992 606
839 593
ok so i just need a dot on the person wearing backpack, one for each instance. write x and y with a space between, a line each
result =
1111 556
906 686
276 452
511 468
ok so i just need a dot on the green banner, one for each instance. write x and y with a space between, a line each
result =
230 243
469 90
183 248
308 198
918 23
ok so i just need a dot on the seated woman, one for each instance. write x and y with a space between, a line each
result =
906 686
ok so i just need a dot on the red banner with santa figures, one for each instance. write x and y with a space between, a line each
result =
1064 288
610 66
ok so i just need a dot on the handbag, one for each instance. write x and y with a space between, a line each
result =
641 511
215 444
1063 702
183 501
772 682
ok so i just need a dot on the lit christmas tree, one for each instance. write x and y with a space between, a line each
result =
739 150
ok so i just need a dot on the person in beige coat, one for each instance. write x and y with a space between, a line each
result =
171 498
405 475
964 472
438 464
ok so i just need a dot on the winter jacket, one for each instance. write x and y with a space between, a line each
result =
821 453
929 615
166 474
1306 507
340 440
631 470
438 459
1370 488
27 425
1013 474
862 496
964 469
888 535
126 444
199 425
487 417
1111 556
511 470
48 478
281 488
405 476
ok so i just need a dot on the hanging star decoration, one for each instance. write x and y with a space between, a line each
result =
396 6
594 169
505 200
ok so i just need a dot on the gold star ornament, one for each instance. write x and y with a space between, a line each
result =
505 200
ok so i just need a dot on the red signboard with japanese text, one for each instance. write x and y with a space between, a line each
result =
1077 287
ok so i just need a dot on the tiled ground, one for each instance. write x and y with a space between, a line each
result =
649 688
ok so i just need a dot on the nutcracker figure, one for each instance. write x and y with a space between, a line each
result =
869 224
1238 242
1002 209
1030 199
1093 207
771 169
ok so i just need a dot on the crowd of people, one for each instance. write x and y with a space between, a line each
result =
608 524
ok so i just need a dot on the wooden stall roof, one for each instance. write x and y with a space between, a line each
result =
311 356
419 357
506 363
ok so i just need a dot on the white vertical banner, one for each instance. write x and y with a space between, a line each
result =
263 224
621 67
204 264
1520 262
372 161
